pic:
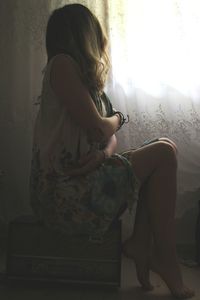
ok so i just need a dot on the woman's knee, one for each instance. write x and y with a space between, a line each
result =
167 153
167 140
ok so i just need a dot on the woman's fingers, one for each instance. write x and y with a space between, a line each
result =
90 166
85 159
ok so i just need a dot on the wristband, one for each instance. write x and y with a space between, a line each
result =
123 120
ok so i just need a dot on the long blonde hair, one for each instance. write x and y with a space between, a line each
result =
75 30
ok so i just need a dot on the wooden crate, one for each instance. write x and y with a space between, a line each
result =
36 253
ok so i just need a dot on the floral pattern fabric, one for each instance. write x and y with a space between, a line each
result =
87 204
75 205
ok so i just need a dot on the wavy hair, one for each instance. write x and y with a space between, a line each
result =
73 29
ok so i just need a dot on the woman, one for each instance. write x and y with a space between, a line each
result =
79 184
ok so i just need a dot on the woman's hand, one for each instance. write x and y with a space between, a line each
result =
88 163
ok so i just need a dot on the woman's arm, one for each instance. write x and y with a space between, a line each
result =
75 98
111 146
94 159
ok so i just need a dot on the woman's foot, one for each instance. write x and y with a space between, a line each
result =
170 272
140 257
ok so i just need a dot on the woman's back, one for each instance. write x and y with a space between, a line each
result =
57 135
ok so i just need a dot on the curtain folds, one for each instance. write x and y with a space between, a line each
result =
154 48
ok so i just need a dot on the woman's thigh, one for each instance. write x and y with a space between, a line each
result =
147 159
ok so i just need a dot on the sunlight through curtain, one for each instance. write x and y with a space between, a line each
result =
155 51
155 55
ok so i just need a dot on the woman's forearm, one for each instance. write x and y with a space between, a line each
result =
107 127
111 146
110 125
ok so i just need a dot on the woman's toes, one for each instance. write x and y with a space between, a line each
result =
185 293
140 257
171 275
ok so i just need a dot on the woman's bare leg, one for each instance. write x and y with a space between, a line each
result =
139 245
157 164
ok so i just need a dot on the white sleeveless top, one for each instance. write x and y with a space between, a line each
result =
83 204
55 129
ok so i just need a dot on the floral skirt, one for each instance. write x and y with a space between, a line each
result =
86 204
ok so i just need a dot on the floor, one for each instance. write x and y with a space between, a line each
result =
129 290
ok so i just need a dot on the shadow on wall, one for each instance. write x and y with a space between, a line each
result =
186 224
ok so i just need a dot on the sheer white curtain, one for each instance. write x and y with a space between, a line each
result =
154 48
22 55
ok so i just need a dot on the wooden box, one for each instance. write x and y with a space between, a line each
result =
38 254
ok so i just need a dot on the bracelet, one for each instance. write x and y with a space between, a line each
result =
123 120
